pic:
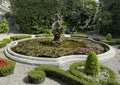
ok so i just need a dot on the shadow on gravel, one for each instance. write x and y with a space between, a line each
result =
25 80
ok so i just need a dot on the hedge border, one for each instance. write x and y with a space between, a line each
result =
110 81
18 37
6 70
79 35
4 42
74 77
113 42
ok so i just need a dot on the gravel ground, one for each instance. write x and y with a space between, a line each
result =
21 70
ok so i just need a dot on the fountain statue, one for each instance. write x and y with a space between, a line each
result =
57 29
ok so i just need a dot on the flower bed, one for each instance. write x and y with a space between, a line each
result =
6 67
43 47
3 63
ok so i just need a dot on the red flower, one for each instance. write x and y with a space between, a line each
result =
3 62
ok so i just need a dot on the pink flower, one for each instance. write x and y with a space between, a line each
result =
3 63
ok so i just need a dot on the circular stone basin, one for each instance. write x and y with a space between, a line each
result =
42 51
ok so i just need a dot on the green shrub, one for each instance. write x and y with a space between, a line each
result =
73 77
2 44
97 39
77 73
119 46
6 40
44 35
18 37
109 37
117 41
110 80
109 42
79 35
4 27
92 66
6 69
36 76
61 75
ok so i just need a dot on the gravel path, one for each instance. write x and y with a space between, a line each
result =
114 64
21 70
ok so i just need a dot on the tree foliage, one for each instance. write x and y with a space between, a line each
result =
110 17
35 16
80 14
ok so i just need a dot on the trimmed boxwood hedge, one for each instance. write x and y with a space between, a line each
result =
44 35
7 69
79 35
18 37
117 41
118 46
4 42
97 39
36 76
110 81
112 42
61 75
73 77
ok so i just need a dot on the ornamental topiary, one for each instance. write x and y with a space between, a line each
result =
36 77
92 66
109 37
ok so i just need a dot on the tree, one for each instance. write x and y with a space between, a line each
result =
80 14
33 16
110 17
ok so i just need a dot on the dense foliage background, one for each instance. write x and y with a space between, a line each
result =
110 17
36 16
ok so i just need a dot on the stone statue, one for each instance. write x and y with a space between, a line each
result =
57 29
